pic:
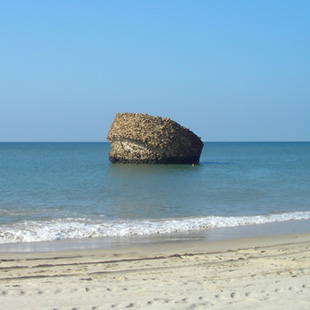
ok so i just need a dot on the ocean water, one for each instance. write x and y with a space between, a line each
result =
55 191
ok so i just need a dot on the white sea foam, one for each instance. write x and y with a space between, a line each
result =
5 212
84 228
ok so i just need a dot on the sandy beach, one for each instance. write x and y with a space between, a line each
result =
257 273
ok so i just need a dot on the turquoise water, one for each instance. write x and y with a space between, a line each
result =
51 191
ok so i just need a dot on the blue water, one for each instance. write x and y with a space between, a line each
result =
51 191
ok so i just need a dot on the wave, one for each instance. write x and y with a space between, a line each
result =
69 228
4 212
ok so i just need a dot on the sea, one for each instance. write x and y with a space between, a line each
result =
70 191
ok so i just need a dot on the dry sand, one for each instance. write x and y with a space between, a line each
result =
258 273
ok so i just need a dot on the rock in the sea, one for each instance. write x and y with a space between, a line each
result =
143 139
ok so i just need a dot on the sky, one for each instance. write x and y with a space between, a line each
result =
228 70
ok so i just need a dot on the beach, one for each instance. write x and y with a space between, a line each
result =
267 272
154 155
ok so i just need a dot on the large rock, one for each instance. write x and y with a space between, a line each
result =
143 139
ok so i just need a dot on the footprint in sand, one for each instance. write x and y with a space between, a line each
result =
279 290
162 300
130 305
234 295
293 288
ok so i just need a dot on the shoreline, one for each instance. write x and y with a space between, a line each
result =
208 235
265 272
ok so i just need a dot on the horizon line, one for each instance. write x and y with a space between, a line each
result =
213 141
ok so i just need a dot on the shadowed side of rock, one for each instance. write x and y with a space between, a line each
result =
144 139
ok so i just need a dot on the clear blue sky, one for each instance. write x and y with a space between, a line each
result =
228 70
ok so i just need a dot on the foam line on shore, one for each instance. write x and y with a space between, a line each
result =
71 228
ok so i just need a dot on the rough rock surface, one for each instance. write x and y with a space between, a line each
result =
143 139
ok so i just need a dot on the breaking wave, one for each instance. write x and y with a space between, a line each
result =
69 228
